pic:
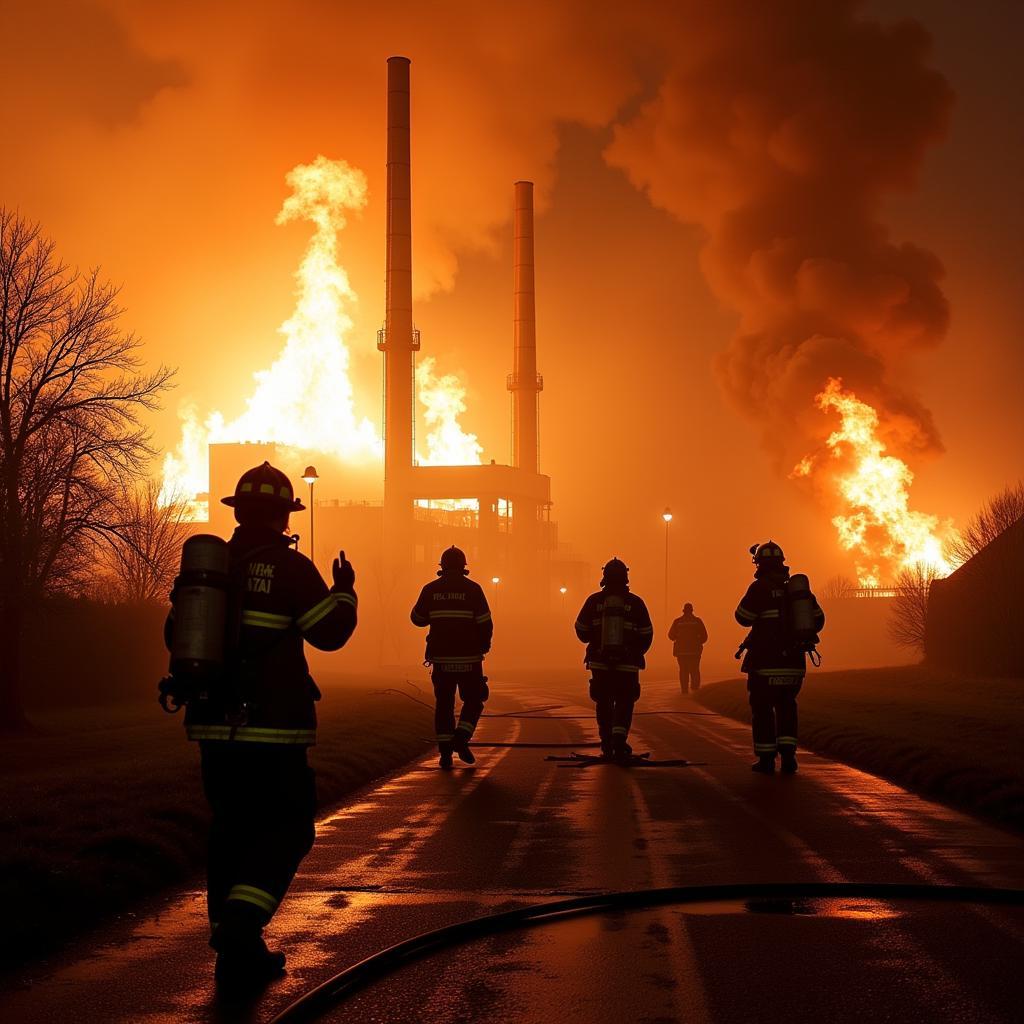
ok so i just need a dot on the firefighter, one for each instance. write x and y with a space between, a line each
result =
253 742
455 608
688 635
616 627
776 659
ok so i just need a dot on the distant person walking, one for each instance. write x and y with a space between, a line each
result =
616 627
455 609
688 635
784 620
254 715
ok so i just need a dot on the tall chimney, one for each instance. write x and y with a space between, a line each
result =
524 382
398 340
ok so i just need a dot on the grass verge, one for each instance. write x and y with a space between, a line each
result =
103 806
953 739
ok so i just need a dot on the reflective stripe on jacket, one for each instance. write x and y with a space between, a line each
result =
638 632
455 608
284 603
771 649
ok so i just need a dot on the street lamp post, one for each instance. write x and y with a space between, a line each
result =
563 591
667 516
496 580
311 477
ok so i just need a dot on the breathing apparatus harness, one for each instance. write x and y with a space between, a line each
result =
615 583
206 661
797 608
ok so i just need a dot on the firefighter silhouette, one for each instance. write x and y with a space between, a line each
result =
254 718
460 631
616 627
688 635
784 620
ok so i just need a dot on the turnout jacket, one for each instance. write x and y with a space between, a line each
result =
688 635
284 602
771 648
455 608
639 633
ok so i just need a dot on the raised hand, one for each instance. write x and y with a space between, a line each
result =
343 573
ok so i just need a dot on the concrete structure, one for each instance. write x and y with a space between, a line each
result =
398 340
975 616
500 515
524 382
514 536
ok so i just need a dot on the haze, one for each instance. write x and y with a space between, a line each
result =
157 139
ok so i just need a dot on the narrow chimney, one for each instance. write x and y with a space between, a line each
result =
398 341
524 381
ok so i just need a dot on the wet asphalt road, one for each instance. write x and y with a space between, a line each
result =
422 849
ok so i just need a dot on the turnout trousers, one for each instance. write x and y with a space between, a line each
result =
263 800
773 716
614 694
689 672
469 681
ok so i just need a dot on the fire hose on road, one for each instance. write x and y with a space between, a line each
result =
341 986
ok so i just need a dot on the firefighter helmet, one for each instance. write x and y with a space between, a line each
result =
766 551
453 560
615 571
687 608
265 484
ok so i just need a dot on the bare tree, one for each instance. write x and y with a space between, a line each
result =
909 615
838 587
142 558
72 389
996 516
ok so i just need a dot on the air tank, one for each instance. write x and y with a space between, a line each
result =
801 608
200 607
613 626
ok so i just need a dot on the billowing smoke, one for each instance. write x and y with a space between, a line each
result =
781 128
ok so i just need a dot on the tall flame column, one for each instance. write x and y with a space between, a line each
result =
524 382
398 340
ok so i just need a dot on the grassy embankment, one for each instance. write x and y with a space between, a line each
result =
953 739
103 806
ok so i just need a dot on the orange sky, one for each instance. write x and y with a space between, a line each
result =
154 139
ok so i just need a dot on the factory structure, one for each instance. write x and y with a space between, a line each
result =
500 515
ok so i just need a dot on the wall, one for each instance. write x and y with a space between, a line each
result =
976 616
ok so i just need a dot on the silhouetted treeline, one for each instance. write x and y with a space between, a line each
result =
81 652
73 447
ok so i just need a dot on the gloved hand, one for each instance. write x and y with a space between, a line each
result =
343 573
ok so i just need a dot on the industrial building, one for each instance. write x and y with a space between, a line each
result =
500 515
975 617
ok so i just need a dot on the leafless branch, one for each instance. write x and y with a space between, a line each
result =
909 615
996 516
73 389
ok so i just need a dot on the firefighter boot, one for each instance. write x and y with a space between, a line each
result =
445 748
461 744
243 961
788 761
621 750
764 764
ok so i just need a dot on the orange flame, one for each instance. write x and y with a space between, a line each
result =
881 527
443 400
306 400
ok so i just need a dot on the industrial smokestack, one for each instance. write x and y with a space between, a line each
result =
524 382
398 340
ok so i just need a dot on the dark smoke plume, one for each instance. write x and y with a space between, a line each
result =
780 128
